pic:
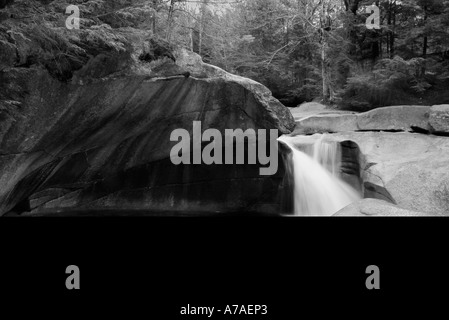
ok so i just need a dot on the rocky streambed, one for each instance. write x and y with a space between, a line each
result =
398 156
101 143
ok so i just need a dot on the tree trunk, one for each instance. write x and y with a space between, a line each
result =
392 32
323 72
424 48
326 95
169 20
201 28
200 34
154 16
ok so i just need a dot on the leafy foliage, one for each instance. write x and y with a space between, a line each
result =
392 81
40 37
301 49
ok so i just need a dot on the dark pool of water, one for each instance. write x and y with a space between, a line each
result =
141 213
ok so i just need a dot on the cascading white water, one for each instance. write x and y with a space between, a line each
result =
328 154
318 189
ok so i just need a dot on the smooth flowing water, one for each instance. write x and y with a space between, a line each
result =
318 190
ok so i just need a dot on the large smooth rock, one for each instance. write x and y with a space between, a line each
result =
327 123
279 115
309 109
106 143
408 169
394 118
376 207
439 118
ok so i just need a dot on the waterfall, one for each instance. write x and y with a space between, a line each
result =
318 189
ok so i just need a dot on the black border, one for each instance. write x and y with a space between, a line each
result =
158 265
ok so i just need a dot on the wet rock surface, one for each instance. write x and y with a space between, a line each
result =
439 118
397 154
394 118
407 169
106 143
378 208
410 170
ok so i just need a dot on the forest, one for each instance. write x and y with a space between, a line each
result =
302 50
